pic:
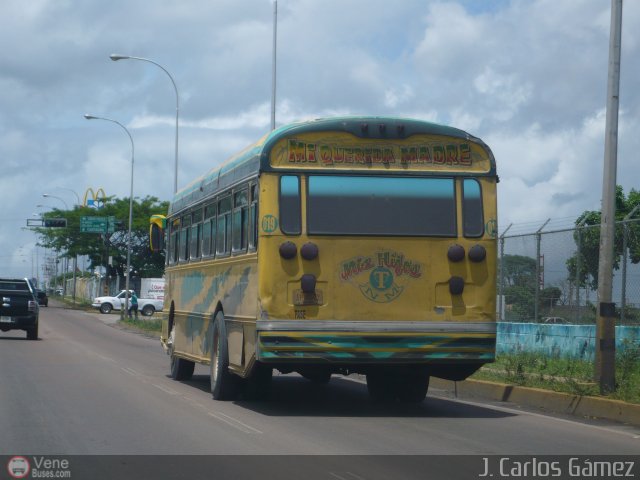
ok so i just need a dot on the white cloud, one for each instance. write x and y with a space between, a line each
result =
529 78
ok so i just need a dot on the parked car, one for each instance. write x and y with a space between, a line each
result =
148 306
42 297
555 320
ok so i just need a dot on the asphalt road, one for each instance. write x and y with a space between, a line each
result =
86 387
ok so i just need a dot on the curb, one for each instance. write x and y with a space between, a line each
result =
558 402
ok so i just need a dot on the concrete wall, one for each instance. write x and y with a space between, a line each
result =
557 340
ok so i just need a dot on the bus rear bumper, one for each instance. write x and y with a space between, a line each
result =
362 342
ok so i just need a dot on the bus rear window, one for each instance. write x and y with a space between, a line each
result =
473 219
290 209
386 206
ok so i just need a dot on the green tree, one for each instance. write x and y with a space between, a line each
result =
587 239
519 274
519 271
69 241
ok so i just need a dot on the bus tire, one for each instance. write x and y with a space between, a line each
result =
413 388
224 384
381 386
258 385
181 369
317 376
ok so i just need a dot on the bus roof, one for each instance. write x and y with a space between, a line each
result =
255 158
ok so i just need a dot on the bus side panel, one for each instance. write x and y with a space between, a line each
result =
197 292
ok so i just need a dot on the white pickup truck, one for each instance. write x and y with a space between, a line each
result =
145 305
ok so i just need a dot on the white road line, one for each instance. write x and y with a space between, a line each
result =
540 415
340 477
243 427
522 412
130 371
106 359
168 390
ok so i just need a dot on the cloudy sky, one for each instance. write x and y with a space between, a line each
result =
529 77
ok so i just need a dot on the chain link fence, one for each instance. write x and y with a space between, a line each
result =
552 276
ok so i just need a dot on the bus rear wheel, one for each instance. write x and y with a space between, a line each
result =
413 389
224 384
407 385
181 369
381 386
258 385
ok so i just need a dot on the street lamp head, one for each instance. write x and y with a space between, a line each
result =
115 57
89 117
46 195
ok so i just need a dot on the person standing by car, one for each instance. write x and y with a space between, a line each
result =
134 305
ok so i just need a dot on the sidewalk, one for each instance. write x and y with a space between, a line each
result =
548 400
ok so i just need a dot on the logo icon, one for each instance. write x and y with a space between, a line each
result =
385 274
18 467
94 199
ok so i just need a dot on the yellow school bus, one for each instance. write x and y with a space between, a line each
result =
336 246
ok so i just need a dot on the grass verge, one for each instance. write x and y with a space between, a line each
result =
148 326
569 375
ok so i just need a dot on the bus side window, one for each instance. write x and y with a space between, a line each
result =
223 235
290 208
196 234
175 241
253 218
209 230
184 238
240 220
472 215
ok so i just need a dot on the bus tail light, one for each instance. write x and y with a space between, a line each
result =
309 251
477 253
455 253
308 283
288 250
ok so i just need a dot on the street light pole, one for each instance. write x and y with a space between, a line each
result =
115 58
46 195
72 191
93 117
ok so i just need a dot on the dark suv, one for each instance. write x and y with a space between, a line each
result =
19 308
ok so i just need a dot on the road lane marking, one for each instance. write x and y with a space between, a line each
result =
243 427
130 371
340 477
168 390
540 415
106 359
499 408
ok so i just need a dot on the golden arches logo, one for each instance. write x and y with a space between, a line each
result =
94 199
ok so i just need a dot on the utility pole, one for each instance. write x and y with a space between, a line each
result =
605 322
273 65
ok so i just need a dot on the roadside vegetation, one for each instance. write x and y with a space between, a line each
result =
569 375
151 325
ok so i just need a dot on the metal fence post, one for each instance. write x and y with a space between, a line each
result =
537 292
579 266
501 286
625 240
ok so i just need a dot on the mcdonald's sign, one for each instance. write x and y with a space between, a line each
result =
94 199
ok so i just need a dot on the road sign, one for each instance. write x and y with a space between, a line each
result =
97 224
